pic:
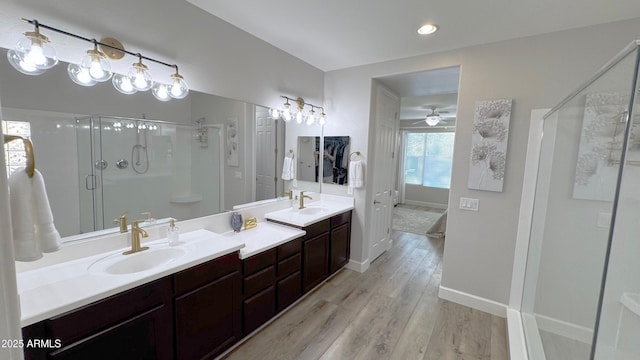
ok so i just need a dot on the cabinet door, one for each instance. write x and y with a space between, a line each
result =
289 290
146 336
340 238
208 319
315 263
258 309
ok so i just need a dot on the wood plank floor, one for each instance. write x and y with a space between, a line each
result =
391 311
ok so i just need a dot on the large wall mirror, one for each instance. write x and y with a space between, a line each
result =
103 153
331 164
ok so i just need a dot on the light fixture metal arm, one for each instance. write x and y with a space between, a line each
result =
37 24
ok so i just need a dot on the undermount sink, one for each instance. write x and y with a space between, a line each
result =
313 210
119 264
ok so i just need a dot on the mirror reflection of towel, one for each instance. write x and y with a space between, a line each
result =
288 168
31 217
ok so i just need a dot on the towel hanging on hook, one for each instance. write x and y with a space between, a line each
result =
28 149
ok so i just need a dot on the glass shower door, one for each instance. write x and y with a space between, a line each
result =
90 166
575 203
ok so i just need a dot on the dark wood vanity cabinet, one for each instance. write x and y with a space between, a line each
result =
326 249
208 312
271 282
193 314
340 245
135 324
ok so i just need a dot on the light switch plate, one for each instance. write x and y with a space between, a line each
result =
604 220
469 204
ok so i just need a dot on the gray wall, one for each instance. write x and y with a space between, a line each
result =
425 196
536 72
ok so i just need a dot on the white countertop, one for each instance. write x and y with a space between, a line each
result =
53 290
313 212
264 237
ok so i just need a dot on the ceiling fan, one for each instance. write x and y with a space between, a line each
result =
432 119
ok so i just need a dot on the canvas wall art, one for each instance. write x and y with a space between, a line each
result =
601 143
489 144
232 142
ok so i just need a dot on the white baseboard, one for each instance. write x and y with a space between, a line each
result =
515 331
426 204
472 301
563 328
357 266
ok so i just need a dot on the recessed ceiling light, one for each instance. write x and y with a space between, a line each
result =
427 29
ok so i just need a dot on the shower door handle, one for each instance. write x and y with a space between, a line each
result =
90 182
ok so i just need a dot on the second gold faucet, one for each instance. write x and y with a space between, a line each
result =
302 197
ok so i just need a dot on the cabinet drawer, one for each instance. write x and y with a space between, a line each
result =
340 219
92 318
258 309
318 228
204 273
289 265
289 290
290 248
259 261
259 280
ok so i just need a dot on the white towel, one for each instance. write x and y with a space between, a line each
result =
288 169
356 175
31 218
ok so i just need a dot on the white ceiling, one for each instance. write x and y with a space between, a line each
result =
336 34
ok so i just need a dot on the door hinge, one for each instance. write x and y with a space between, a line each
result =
387 230
393 154
276 151
275 179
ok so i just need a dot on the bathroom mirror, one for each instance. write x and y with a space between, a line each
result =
137 154
308 169
335 160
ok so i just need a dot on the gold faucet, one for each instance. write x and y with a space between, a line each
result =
136 232
290 193
122 221
302 196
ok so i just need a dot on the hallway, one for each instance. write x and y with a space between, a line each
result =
392 311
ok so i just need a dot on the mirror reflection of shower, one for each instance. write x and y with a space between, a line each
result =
139 152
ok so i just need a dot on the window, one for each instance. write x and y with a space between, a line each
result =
14 154
428 158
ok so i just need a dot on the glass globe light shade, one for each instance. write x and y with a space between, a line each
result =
97 65
299 116
123 84
311 118
432 120
286 113
161 92
140 77
16 60
80 75
323 119
35 50
275 114
179 88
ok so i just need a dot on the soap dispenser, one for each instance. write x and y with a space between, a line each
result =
173 234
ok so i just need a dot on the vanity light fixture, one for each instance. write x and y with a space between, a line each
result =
427 29
299 114
34 54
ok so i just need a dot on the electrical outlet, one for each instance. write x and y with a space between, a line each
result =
469 204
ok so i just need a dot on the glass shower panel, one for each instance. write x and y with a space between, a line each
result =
619 322
574 202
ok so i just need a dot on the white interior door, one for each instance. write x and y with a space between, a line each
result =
266 176
386 123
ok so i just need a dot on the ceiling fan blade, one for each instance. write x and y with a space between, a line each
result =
418 122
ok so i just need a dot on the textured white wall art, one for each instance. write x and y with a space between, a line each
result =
232 142
489 144
601 141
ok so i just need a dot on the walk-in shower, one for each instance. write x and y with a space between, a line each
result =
581 288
